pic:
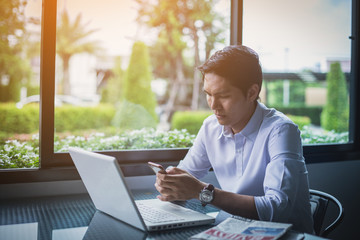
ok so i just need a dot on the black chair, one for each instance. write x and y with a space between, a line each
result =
319 205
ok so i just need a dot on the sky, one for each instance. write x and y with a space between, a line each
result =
287 34
292 34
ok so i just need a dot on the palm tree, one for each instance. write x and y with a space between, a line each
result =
70 41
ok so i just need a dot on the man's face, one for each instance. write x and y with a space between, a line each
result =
228 103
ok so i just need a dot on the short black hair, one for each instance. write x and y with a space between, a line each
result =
238 64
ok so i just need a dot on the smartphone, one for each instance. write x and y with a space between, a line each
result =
156 167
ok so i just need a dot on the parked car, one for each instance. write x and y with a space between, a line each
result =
59 100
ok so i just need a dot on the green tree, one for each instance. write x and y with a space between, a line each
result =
70 40
177 20
335 115
137 84
112 92
13 69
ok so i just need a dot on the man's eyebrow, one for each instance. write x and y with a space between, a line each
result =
217 93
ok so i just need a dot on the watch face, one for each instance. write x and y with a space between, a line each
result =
206 196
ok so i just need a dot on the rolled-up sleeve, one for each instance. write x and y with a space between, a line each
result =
282 175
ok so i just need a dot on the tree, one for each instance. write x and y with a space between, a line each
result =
175 21
13 69
70 40
112 92
335 115
137 85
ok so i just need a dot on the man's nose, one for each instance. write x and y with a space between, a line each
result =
214 103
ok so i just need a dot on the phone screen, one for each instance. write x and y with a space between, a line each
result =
156 167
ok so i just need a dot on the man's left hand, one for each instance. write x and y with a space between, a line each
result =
177 185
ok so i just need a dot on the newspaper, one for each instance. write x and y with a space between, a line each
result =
242 229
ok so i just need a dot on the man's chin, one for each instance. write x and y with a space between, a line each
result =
221 120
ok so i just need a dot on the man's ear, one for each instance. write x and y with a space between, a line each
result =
253 92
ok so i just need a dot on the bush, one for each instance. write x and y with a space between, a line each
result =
336 111
67 118
310 136
132 116
14 154
14 120
189 120
313 112
70 118
301 121
137 85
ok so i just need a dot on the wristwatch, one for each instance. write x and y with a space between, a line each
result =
206 195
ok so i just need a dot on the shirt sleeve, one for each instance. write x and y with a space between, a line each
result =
283 174
196 161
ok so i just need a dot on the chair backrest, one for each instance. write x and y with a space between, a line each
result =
319 205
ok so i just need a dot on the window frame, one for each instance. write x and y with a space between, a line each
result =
59 166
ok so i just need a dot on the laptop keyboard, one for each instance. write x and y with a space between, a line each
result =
155 215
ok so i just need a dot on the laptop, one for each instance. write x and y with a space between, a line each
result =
106 185
104 226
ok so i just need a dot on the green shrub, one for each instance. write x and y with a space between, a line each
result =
319 136
14 120
15 154
133 116
301 121
70 118
313 112
67 118
137 84
336 111
189 120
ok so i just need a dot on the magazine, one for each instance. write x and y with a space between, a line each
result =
244 229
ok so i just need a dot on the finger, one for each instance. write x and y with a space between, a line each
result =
162 182
166 178
175 170
165 198
163 190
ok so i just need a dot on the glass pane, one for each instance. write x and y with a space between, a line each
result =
304 48
125 71
19 83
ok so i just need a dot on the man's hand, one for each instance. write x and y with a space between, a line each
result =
177 185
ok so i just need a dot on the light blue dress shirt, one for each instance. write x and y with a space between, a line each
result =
264 160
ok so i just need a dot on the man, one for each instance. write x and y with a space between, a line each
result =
255 152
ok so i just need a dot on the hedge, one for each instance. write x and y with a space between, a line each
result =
192 120
14 120
70 118
301 121
67 118
313 112
189 120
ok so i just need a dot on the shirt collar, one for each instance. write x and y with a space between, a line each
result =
251 128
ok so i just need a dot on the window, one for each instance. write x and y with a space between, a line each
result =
305 52
100 63
126 70
19 83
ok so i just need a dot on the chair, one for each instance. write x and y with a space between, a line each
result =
319 203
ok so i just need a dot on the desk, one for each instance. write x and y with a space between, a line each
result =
75 217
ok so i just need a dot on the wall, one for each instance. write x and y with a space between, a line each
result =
341 179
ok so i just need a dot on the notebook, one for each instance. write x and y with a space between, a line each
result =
106 185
